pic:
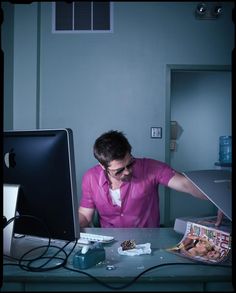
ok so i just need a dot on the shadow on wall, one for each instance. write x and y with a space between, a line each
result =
176 131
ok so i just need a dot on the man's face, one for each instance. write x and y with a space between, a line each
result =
121 169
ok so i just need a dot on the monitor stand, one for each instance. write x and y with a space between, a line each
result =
10 196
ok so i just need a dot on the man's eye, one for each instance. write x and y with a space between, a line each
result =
120 171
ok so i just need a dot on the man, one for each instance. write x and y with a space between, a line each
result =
124 189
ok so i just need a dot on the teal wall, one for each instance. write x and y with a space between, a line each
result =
96 82
7 48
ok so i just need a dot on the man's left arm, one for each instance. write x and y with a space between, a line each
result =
180 183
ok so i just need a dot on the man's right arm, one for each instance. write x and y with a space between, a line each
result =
85 216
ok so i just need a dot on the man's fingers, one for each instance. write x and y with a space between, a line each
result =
219 218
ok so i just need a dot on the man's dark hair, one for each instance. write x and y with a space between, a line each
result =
110 146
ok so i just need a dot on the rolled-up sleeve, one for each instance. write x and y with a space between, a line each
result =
160 171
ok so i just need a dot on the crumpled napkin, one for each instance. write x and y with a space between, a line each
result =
139 249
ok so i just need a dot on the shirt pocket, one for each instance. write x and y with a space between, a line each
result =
143 190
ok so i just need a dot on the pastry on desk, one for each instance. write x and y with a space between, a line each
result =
130 248
128 244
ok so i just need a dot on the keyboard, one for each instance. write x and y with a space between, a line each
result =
86 238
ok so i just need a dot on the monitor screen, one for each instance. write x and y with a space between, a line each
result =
42 163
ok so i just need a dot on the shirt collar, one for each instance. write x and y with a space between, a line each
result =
103 177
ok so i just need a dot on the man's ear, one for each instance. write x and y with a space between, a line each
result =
102 166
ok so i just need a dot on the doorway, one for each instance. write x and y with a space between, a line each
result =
199 106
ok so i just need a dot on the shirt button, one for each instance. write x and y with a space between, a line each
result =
122 215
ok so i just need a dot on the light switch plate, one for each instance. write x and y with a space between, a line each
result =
156 132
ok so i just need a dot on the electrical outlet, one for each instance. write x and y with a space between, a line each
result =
156 132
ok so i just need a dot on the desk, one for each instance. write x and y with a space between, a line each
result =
167 278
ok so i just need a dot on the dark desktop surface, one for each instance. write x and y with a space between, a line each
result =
170 272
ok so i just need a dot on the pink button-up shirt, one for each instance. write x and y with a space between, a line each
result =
139 197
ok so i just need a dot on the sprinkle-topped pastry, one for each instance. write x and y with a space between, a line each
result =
128 244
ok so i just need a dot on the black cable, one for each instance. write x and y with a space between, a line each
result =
29 217
50 258
63 264
139 275
36 219
28 266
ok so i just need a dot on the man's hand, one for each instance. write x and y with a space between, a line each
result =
219 218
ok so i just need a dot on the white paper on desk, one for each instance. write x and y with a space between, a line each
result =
139 249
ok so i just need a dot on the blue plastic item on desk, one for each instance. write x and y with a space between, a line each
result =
225 149
94 255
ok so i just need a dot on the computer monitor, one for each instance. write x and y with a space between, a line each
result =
42 162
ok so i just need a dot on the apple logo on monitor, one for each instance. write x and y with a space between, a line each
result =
9 159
